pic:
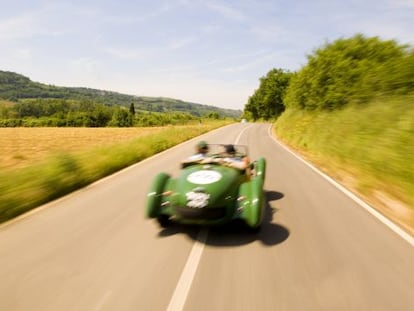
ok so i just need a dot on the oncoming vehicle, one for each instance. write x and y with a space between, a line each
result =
211 191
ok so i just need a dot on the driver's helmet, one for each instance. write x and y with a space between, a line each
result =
230 149
202 146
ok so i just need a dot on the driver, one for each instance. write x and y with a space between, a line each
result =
232 160
201 152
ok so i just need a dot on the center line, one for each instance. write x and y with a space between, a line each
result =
184 284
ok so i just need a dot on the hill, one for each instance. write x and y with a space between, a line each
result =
16 87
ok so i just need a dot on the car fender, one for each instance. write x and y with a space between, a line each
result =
253 202
154 197
260 168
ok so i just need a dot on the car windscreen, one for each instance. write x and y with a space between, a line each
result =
219 150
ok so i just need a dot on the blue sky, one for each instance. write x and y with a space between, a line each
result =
207 52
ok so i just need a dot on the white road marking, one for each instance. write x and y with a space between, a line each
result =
184 284
404 235
240 134
102 301
182 289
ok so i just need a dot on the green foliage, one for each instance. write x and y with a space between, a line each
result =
121 118
61 112
352 70
267 100
56 112
350 109
373 142
213 115
162 119
161 104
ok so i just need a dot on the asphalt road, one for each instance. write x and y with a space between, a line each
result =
94 250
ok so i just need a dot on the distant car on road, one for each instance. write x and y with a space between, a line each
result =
210 191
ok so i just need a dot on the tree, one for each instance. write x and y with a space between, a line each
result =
268 100
121 118
347 70
132 109
213 115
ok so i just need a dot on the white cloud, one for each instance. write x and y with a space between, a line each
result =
211 29
390 32
409 4
268 32
18 27
44 21
133 17
226 11
127 53
85 64
24 54
180 43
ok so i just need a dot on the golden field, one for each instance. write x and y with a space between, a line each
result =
42 164
22 146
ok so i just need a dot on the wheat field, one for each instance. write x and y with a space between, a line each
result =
23 146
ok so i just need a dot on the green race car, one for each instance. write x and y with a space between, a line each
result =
212 190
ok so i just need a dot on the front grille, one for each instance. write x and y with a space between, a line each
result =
202 213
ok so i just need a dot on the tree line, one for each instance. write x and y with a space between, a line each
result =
77 106
351 70
86 113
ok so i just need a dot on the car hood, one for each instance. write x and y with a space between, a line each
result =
201 186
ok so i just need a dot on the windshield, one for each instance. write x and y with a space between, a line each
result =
219 150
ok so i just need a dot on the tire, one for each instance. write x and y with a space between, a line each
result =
164 221
254 230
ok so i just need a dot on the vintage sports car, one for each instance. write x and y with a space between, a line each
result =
213 190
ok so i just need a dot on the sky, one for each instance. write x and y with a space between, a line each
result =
207 52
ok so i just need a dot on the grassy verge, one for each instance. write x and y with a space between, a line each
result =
25 188
23 146
369 149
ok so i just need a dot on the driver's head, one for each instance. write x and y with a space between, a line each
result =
230 150
202 147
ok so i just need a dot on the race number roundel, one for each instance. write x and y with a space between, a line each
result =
204 177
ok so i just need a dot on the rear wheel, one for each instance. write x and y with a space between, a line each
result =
164 221
254 230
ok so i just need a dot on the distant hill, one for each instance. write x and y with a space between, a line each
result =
16 87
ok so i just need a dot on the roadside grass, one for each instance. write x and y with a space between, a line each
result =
368 148
23 146
6 103
59 173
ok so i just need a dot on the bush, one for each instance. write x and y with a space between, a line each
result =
352 70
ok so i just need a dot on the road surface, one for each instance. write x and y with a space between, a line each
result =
94 250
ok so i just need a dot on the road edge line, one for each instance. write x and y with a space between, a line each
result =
390 224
